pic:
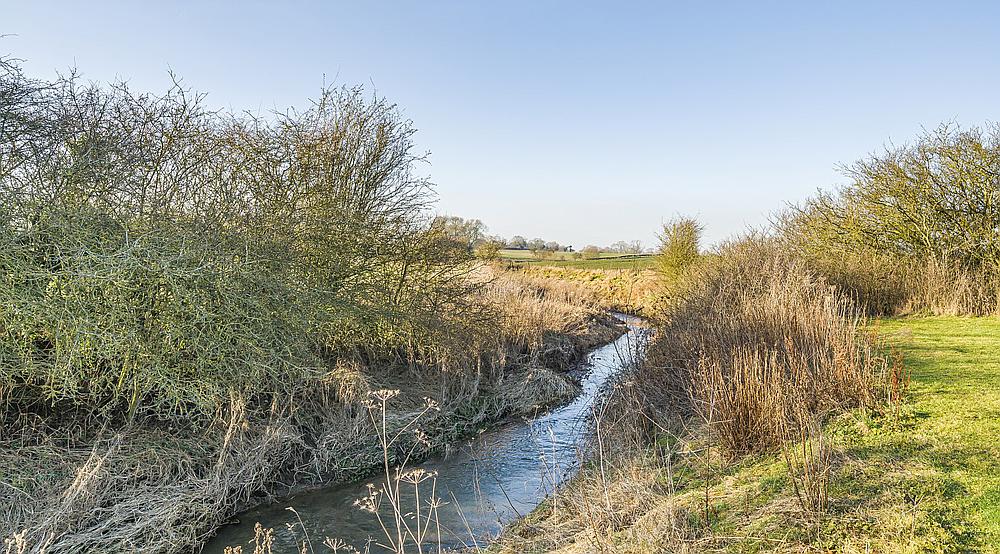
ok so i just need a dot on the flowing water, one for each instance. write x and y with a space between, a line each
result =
492 479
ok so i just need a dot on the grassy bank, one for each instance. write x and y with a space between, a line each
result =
922 478
774 417
947 434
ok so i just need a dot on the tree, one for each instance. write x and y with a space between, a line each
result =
517 242
936 200
552 246
591 252
466 232
489 249
536 244
622 247
679 247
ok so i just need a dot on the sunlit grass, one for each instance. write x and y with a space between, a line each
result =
954 420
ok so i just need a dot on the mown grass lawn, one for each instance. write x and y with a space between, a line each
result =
951 426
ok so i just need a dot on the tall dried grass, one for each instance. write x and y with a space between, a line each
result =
881 283
752 352
756 340
945 288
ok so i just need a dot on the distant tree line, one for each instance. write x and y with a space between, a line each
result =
472 236
517 242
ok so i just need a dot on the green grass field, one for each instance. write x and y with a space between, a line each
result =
605 260
947 438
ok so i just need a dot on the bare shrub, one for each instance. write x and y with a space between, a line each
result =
915 228
680 243
157 255
590 252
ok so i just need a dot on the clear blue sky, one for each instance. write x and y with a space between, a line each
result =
571 121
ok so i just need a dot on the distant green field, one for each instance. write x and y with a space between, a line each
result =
605 260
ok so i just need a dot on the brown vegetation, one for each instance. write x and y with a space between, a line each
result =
720 439
633 291
755 337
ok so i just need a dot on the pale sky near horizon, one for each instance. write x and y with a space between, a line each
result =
584 123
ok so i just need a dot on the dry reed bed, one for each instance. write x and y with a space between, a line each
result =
885 285
633 291
756 341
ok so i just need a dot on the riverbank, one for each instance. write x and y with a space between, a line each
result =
483 480
920 479
523 390
166 487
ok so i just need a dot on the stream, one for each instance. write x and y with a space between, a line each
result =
494 478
